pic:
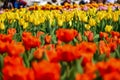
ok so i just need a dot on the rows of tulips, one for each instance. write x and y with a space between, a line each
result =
66 6
60 44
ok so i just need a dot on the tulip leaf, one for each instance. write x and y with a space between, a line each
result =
45 56
72 73
42 39
53 31
75 41
63 70
103 25
63 77
79 66
30 57
117 52
84 38
1 62
54 39
1 76
99 78
102 57
119 25
26 61
96 55
113 55
96 38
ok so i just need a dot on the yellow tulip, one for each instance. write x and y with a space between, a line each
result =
97 20
108 28
92 22
100 15
115 17
109 15
85 19
36 22
2 26
87 26
60 23
25 25
109 9
21 21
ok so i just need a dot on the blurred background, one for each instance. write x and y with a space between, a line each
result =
8 4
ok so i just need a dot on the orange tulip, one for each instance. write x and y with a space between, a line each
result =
6 38
113 46
103 35
104 48
39 33
89 35
38 53
42 72
15 49
17 73
3 46
13 61
109 70
85 76
67 53
112 76
52 55
11 31
113 33
86 50
118 41
79 37
30 41
14 69
59 42
47 39
66 35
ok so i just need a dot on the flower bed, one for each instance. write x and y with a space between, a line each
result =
54 43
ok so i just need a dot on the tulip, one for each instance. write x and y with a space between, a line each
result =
108 28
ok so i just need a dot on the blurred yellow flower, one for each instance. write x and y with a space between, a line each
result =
87 26
2 26
115 17
108 28
21 21
92 22
25 25
60 23
109 15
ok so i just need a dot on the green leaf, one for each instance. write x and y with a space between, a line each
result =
72 73
117 52
63 77
99 78
45 56
79 66
54 39
102 25
30 55
84 38
26 61
1 76
102 57
96 55
113 55
96 38
63 70
42 39
1 62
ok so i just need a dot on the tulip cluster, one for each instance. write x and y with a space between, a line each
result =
69 42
